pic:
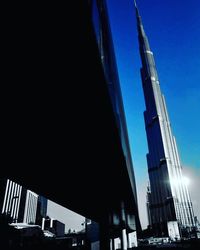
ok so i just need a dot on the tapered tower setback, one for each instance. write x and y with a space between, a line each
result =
170 199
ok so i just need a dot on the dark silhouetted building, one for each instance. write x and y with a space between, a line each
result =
125 217
54 226
66 113
41 209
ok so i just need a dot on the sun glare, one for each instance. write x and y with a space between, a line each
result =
184 180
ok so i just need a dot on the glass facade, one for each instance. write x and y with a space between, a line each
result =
105 45
124 219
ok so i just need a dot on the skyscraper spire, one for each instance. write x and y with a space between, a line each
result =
170 199
139 21
137 13
143 40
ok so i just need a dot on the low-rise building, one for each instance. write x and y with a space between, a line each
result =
54 226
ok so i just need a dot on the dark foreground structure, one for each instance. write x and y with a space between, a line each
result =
64 125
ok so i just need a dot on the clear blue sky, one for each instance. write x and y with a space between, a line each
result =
173 29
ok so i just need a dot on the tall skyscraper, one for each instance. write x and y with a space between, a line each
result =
170 200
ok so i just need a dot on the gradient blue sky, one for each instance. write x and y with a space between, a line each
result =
173 29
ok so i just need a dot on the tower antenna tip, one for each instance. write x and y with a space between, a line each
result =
135 3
